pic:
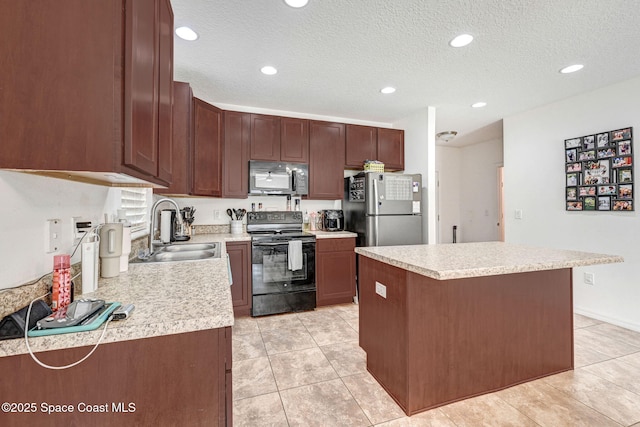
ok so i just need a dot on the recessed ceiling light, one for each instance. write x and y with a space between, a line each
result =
572 68
296 3
479 104
186 33
388 89
461 40
268 70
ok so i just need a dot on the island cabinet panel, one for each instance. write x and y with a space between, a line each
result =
391 148
240 262
361 145
432 342
208 133
294 140
235 167
326 160
265 137
97 102
335 271
179 379
181 141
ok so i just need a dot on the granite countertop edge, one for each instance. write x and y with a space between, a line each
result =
421 265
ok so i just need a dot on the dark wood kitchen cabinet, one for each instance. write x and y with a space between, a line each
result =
208 134
294 140
326 160
240 262
181 141
235 166
335 271
391 148
361 144
171 380
265 137
99 102
369 143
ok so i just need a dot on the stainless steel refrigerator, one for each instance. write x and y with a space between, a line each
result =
385 209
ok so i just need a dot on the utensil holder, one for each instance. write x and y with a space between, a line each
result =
236 226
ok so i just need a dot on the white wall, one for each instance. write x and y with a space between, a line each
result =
449 170
535 183
419 157
28 201
479 191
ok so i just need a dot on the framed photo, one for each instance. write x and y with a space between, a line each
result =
574 167
596 172
588 142
587 155
625 175
623 205
606 152
602 139
624 148
599 171
606 190
621 162
587 191
604 203
589 204
625 191
618 135
572 143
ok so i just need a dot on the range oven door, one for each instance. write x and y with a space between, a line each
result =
276 288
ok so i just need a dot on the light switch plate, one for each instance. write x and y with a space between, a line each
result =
54 234
381 290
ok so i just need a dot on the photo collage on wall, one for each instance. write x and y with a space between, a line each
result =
599 171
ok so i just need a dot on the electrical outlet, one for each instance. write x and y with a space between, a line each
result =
589 279
381 290
518 214
216 214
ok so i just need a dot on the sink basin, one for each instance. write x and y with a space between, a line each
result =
191 247
183 252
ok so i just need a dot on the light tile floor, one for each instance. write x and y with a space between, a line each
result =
306 369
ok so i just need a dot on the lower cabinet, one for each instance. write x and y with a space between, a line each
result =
170 380
240 262
335 271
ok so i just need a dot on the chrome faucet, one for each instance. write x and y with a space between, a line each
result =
154 222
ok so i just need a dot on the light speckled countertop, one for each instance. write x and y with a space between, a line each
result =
333 234
460 260
169 298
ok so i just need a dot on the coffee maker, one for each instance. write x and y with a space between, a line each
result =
178 232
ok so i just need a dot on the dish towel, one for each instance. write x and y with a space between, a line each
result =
295 255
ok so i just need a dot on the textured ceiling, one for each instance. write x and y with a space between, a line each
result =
333 56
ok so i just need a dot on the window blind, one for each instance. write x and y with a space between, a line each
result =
134 202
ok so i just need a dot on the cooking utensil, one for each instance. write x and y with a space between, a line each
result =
236 213
230 214
243 212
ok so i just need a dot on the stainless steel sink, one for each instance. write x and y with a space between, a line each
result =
183 252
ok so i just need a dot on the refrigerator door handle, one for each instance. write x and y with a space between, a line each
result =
376 211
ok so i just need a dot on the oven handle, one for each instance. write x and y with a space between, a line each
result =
280 243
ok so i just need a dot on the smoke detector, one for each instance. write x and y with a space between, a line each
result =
446 136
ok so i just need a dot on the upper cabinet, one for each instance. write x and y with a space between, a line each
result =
391 148
100 102
235 167
326 160
369 143
294 140
265 137
181 141
208 134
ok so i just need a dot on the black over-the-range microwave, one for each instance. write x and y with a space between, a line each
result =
278 178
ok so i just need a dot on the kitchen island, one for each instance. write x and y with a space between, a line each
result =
442 323
168 364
